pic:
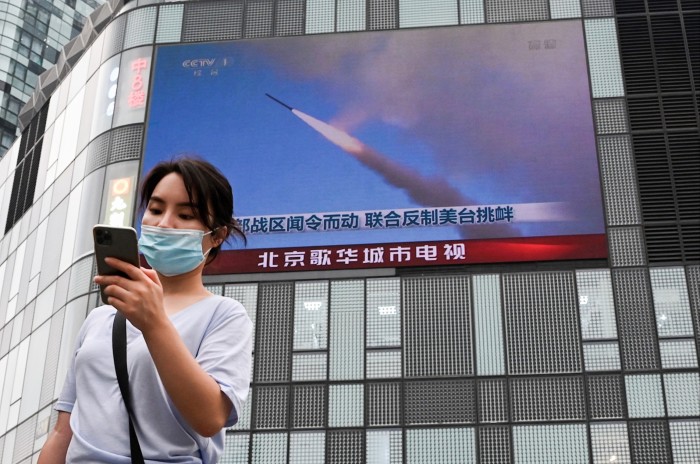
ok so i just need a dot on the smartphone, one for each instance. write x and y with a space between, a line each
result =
116 242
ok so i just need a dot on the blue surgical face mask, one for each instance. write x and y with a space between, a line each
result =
172 252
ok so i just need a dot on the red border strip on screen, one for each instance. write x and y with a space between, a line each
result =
505 250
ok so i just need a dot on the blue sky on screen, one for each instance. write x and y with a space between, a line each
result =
499 113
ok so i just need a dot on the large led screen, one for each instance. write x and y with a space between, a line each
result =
392 148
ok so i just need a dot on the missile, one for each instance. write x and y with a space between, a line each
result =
280 102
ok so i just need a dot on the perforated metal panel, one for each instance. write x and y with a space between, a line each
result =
269 448
126 143
258 18
351 15
682 394
444 302
443 445
551 444
693 278
542 323
310 315
309 406
48 379
619 182
320 16
247 295
309 366
493 401
383 364
418 13
597 8
346 405
272 349
80 278
596 304
685 440
626 246
383 312
212 21
488 321
98 152
610 116
637 325
605 397
24 439
384 447
649 442
503 11
384 404
347 344
140 27
382 14
307 448
114 37
289 19
236 448
678 354
271 406
563 9
494 445
345 447
644 396
471 12
547 399
169 23
604 58
671 302
244 415
610 443
439 402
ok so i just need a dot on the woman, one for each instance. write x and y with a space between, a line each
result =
189 351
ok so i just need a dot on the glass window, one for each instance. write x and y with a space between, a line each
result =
595 301
347 352
671 302
105 97
383 312
132 90
71 227
309 366
310 315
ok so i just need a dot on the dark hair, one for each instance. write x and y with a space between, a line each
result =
208 190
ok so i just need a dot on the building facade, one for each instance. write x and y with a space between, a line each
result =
33 35
559 361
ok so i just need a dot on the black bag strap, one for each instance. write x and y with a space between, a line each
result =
119 353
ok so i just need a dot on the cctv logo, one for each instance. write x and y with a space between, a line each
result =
199 63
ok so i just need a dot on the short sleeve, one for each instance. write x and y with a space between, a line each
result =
226 353
67 397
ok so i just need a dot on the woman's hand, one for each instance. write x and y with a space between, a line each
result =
139 297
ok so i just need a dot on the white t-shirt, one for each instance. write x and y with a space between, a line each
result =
218 333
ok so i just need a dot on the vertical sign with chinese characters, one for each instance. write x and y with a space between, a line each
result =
134 76
120 201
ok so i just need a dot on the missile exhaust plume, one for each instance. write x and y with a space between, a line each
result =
428 192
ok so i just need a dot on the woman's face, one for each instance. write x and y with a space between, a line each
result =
169 207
